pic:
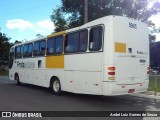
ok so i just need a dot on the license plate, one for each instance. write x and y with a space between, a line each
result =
131 90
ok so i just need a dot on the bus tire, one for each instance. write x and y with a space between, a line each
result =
17 79
55 86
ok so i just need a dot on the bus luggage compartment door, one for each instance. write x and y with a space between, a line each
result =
131 69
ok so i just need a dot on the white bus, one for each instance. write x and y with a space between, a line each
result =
108 56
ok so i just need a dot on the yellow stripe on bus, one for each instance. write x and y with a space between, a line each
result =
55 61
120 47
56 34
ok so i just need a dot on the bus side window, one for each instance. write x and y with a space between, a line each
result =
25 50
83 40
22 50
50 46
71 43
42 47
59 45
36 49
95 42
30 49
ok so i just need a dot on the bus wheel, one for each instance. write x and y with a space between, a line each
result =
17 79
56 86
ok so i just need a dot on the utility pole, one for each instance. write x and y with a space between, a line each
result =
112 7
86 11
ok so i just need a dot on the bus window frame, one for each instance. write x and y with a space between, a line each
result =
71 52
78 49
47 51
54 47
79 45
60 36
39 55
31 51
27 54
42 52
11 57
102 39
20 53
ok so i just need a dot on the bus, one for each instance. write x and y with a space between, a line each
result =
108 56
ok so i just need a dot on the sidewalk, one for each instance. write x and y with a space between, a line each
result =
148 94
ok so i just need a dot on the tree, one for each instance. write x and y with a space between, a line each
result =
152 30
39 35
152 37
71 13
17 42
59 20
4 46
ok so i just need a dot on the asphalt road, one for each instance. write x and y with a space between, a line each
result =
33 98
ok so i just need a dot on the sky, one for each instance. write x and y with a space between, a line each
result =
24 19
156 20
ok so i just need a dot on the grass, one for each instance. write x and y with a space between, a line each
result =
152 83
3 73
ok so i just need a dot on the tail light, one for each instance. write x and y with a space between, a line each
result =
111 73
111 68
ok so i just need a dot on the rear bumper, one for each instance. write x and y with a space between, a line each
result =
112 88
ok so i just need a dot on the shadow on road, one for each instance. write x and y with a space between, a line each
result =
116 103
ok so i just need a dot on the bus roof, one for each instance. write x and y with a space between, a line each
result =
73 29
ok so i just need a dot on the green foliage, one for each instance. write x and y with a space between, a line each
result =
71 13
59 20
39 35
152 84
3 73
4 46
152 37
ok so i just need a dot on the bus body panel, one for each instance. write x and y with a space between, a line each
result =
131 64
83 73
129 55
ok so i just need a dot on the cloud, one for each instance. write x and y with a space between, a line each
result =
43 27
46 24
19 24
